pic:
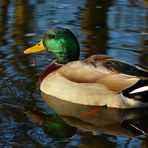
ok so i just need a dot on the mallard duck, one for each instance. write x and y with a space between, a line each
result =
99 80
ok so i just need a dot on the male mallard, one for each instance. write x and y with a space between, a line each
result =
98 80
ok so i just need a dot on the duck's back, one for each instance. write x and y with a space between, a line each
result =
116 65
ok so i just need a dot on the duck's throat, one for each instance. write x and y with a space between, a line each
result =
63 58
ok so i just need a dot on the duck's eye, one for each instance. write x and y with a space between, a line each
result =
51 36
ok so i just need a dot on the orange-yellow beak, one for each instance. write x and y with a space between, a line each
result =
36 48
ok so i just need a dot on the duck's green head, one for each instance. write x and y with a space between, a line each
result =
62 42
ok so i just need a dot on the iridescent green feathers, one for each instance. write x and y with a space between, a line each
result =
63 43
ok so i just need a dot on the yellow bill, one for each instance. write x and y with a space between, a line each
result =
36 48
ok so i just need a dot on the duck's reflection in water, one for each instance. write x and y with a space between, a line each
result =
124 122
110 121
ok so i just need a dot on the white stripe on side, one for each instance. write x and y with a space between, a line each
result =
141 89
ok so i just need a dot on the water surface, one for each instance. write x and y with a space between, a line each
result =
113 27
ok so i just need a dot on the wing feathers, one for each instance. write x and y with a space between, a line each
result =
118 82
82 73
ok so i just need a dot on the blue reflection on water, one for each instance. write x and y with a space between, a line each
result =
124 25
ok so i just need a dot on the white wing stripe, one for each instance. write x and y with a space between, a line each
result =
141 89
